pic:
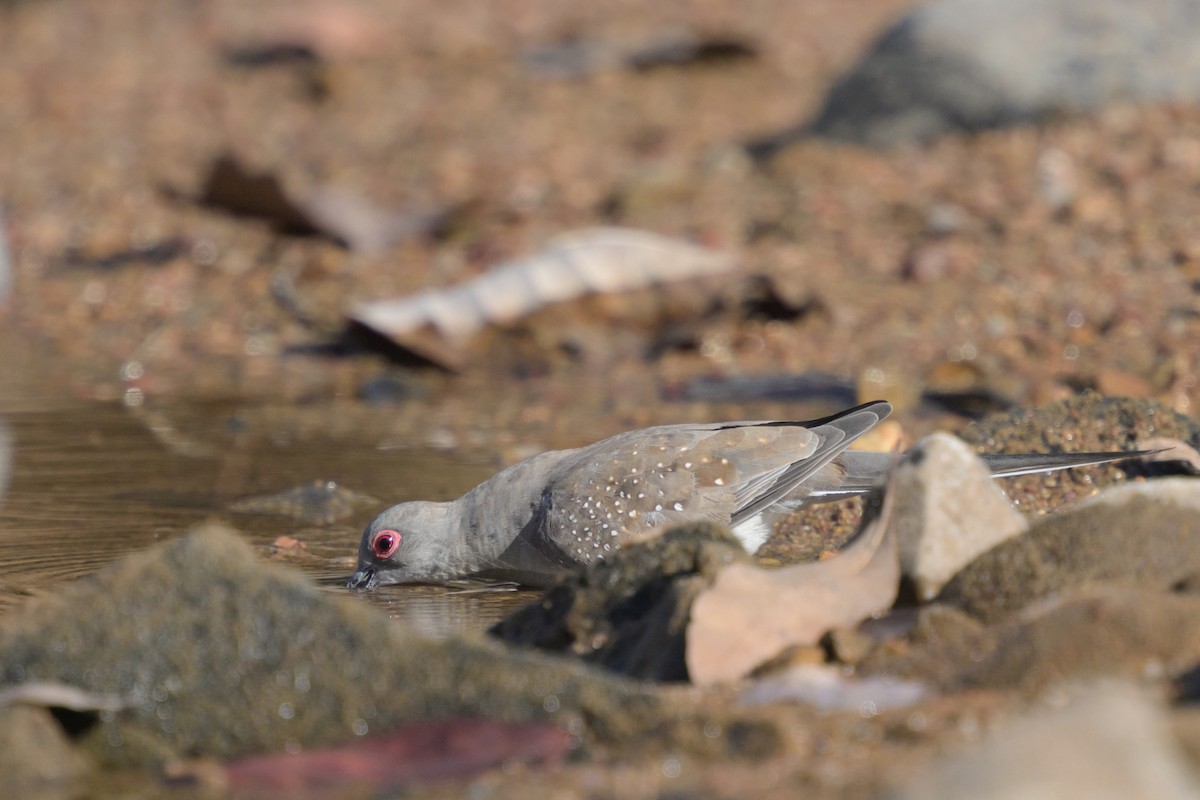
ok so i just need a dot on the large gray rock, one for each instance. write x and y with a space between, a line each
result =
1143 534
1088 632
974 64
216 653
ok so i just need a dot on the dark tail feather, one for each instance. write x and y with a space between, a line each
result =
1006 465
866 471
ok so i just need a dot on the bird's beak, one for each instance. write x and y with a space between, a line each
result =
363 578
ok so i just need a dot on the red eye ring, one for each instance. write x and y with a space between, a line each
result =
385 542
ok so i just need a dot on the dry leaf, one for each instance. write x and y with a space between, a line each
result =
52 694
335 213
1167 449
750 613
574 265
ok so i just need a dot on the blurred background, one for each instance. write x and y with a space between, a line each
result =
962 208
198 194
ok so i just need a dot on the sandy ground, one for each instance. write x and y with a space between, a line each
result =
1019 265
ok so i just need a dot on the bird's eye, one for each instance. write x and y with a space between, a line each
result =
384 543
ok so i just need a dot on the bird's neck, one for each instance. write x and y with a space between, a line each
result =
463 550
495 513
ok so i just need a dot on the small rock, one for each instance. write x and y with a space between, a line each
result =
37 760
935 261
318 503
848 645
948 510
332 31
288 547
1109 742
1143 534
943 219
1057 178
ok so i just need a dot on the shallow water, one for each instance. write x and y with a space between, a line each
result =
92 482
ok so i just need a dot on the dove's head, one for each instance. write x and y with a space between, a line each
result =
407 543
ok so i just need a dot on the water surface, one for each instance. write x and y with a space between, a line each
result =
91 482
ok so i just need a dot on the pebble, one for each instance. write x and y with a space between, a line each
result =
948 510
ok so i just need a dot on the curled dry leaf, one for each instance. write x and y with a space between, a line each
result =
1170 450
571 266
751 613
52 694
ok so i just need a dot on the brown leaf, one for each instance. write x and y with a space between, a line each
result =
750 613
1168 449
572 266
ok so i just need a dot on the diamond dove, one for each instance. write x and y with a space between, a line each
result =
564 509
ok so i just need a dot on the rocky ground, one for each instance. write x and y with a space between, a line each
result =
1012 266
195 196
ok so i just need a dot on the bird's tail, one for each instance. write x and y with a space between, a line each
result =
866 471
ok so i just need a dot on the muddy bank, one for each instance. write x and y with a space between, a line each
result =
197 650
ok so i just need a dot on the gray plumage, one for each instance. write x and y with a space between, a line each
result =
563 509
